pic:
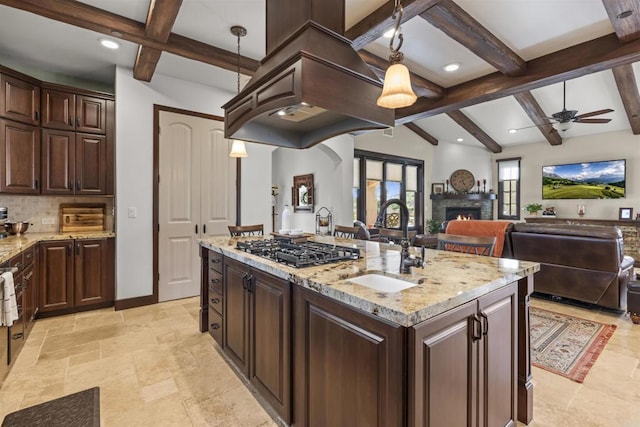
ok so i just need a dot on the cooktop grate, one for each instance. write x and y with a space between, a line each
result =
302 254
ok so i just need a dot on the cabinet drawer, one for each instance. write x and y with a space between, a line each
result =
215 261
29 256
215 281
215 300
17 262
215 325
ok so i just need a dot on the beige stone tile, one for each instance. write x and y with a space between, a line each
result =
79 359
153 366
598 408
103 319
62 341
167 412
43 325
70 351
40 375
554 388
120 395
207 382
94 373
159 390
127 343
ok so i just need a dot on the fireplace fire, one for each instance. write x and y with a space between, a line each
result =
462 213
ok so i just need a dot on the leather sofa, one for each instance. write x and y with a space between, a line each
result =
580 262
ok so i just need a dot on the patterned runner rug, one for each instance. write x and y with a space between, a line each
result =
566 345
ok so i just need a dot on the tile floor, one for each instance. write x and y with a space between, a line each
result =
153 367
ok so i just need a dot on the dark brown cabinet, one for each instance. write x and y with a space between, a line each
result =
257 335
74 112
471 349
349 366
214 301
76 273
19 100
19 158
73 163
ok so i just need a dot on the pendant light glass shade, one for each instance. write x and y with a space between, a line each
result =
397 91
238 149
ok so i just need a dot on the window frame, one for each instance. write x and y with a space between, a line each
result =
500 195
389 158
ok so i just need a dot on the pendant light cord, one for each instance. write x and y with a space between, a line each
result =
396 56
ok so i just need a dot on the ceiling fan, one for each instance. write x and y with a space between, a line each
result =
563 120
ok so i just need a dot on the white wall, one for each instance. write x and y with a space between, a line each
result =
449 157
331 163
255 199
134 169
606 146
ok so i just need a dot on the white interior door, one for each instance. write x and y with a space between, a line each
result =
197 193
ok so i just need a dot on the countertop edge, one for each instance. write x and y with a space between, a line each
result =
12 245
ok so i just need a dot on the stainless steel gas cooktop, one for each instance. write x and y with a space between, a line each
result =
302 254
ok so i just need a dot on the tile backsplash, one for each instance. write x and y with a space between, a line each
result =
35 209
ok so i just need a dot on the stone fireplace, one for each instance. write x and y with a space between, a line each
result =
449 206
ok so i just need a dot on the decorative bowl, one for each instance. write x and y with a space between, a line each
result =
16 227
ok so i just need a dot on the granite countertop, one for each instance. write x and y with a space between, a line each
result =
448 279
13 245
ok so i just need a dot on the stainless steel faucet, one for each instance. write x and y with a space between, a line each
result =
406 262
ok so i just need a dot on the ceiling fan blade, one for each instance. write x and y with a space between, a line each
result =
594 113
592 120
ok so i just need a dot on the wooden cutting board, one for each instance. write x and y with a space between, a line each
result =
83 217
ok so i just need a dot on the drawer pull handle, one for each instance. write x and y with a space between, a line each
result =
215 281
215 326
215 300
18 335
214 261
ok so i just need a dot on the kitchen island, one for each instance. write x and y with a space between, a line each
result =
323 350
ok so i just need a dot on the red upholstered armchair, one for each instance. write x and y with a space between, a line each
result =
485 228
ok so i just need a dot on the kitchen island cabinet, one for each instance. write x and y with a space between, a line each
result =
257 335
363 357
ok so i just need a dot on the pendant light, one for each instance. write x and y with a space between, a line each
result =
238 148
396 91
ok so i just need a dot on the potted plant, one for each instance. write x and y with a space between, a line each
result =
533 208
433 225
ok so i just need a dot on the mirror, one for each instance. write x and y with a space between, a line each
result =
302 193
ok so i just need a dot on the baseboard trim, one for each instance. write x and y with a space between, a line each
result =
124 304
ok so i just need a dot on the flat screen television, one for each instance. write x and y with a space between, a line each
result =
587 180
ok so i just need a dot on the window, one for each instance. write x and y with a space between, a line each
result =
509 189
380 177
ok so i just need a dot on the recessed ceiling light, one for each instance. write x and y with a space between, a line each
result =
450 68
282 113
460 139
108 43
513 130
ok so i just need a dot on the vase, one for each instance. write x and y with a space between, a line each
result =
286 218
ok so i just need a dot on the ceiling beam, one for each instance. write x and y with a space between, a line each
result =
373 26
421 133
600 54
421 86
452 20
627 25
626 82
538 117
161 16
467 124
91 18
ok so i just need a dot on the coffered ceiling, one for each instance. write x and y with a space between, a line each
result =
513 55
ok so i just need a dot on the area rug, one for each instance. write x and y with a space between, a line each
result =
80 409
566 345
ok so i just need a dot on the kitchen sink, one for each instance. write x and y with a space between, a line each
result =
382 283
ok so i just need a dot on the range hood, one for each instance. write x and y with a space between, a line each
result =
312 85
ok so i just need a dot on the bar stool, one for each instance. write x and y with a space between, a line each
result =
466 244
345 231
246 230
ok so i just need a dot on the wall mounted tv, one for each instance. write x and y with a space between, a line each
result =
588 180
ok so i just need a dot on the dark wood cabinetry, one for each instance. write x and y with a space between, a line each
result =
257 335
73 163
349 366
19 158
24 279
76 274
471 349
74 112
19 100
77 131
